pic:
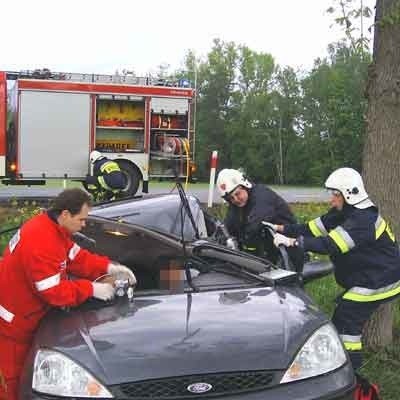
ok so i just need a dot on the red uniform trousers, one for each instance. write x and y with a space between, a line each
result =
12 357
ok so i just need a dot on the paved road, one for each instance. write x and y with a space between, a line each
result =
290 194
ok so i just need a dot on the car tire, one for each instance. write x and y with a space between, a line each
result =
132 175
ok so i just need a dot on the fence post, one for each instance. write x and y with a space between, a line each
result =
214 159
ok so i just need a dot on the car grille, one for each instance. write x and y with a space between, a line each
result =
177 387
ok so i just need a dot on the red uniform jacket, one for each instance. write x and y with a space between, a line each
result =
33 275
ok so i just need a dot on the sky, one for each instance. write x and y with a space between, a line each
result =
104 36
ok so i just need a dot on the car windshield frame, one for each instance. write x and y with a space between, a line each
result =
109 236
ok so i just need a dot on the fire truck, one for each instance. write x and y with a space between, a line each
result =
50 122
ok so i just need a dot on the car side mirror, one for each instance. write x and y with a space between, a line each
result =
316 269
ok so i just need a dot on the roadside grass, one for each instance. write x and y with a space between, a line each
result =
380 366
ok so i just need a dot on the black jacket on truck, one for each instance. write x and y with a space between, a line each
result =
108 174
360 244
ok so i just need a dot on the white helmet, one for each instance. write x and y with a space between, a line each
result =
95 155
229 179
350 184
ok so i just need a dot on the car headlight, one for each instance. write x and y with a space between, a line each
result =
54 373
322 352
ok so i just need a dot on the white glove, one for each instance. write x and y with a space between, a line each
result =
118 269
282 239
273 227
103 291
231 243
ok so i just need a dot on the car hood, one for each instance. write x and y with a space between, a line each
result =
185 334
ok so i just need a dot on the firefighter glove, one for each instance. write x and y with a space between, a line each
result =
103 291
121 272
232 244
282 239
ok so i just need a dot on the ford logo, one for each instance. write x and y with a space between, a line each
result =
200 387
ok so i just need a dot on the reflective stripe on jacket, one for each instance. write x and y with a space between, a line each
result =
351 342
362 248
109 175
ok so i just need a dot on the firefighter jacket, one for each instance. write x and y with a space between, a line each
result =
33 275
263 204
362 248
108 175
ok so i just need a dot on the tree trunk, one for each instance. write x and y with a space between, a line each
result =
378 331
381 157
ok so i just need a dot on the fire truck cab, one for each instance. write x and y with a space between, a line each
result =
50 122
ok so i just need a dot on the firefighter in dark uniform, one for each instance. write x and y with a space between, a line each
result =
249 205
362 248
107 176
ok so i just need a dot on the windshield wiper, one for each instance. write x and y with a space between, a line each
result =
185 205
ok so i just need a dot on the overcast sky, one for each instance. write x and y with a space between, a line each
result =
103 36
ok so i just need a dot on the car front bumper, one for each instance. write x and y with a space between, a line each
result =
338 385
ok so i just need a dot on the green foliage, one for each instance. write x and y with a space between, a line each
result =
280 125
219 211
324 291
333 112
382 367
12 216
305 212
350 15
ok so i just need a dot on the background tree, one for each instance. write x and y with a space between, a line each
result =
282 126
252 102
334 105
215 108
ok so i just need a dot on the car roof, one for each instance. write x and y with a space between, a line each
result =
161 212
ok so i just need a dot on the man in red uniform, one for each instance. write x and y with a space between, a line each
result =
33 278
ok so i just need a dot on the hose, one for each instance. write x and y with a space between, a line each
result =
186 147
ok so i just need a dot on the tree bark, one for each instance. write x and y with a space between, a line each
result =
381 157
378 331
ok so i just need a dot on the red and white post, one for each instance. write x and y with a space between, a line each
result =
214 159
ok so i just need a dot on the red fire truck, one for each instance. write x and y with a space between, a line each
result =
50 122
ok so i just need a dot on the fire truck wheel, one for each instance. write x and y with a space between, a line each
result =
132 176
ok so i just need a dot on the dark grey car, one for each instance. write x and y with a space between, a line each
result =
204 321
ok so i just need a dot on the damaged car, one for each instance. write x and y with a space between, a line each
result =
203 321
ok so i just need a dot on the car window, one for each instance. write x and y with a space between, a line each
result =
156 259
145 252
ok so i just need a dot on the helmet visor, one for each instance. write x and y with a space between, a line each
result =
333 192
